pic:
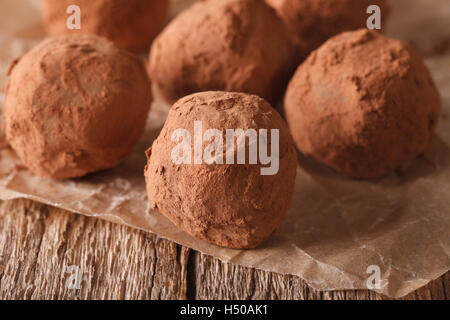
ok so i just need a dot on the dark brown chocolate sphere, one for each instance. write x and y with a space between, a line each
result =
130 24
232 205
229 45
363 104
312 22
75 105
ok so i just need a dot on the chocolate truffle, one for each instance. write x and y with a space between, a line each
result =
363 104
131 24
231 205
74 105
229 45
311 22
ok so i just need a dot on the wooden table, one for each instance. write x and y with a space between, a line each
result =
44 249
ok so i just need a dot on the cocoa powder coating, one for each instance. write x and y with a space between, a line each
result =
130 24
363 104
74 105
230 205
311 22
229 45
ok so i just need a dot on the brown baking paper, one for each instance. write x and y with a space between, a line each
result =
335 229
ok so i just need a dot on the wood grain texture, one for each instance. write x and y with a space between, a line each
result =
38 244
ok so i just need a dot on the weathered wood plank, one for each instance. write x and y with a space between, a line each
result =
39 244
223 281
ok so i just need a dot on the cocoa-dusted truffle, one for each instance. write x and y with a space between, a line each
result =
311 22
230 45
131 24
74 105
363 104
232 205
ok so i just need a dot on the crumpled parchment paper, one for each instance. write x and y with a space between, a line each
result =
335 229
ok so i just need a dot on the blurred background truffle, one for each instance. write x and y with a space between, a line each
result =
75 105
311 22
230 45
130 24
